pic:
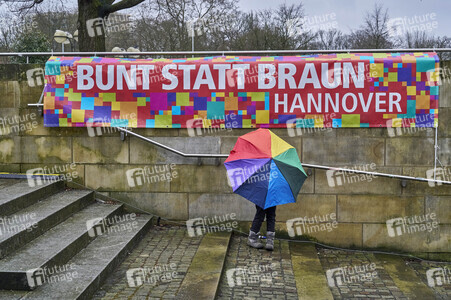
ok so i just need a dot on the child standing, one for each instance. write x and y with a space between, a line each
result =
259 217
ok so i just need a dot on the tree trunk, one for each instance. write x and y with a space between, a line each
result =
91 29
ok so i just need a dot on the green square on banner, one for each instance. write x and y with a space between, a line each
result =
258 96
109 97
163 121
215 110
141 101
182 99
392 76
350 120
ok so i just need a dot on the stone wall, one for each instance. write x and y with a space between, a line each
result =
200 188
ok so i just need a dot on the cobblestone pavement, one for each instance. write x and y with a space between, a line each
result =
164 250
380 286
269 274
442 291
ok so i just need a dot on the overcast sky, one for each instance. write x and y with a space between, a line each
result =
350 13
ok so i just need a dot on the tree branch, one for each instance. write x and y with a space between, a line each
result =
122 5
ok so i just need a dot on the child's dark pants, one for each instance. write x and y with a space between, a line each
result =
260 217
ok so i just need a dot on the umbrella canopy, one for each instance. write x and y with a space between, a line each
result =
265 169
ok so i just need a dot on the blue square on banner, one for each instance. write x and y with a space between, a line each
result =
87 103
150 123
59 92
176 110
200 103
336 123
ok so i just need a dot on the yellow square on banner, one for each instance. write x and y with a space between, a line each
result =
60 79
397 122
78 116
377 70
411 90
319 123
262 117
86 60
115 105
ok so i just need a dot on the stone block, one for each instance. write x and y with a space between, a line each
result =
209 205
307 206
10 149
46 150
377 209
122 178
444 127
426 188
10 94
201 179
100 150
354 183
409 151
72 172
9 72
167 205
441 206
144 152
376 236
339 151
344 235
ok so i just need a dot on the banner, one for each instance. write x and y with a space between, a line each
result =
335 90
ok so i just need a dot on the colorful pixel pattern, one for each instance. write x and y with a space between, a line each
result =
65 108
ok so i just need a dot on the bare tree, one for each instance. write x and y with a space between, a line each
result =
330 39
374 33
90 13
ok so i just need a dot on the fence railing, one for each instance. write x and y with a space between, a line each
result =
228 52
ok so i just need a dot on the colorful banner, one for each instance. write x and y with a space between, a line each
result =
335 90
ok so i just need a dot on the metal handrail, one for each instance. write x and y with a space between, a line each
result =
228 52
204 155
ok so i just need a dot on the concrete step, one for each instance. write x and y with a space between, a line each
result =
29 223
204 273
19 195
91 266
54 247
311 282
7 182
405 277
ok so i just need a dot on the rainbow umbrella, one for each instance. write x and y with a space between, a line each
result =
265 169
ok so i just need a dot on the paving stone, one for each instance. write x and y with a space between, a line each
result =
162 245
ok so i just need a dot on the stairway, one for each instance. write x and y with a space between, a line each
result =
59 243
